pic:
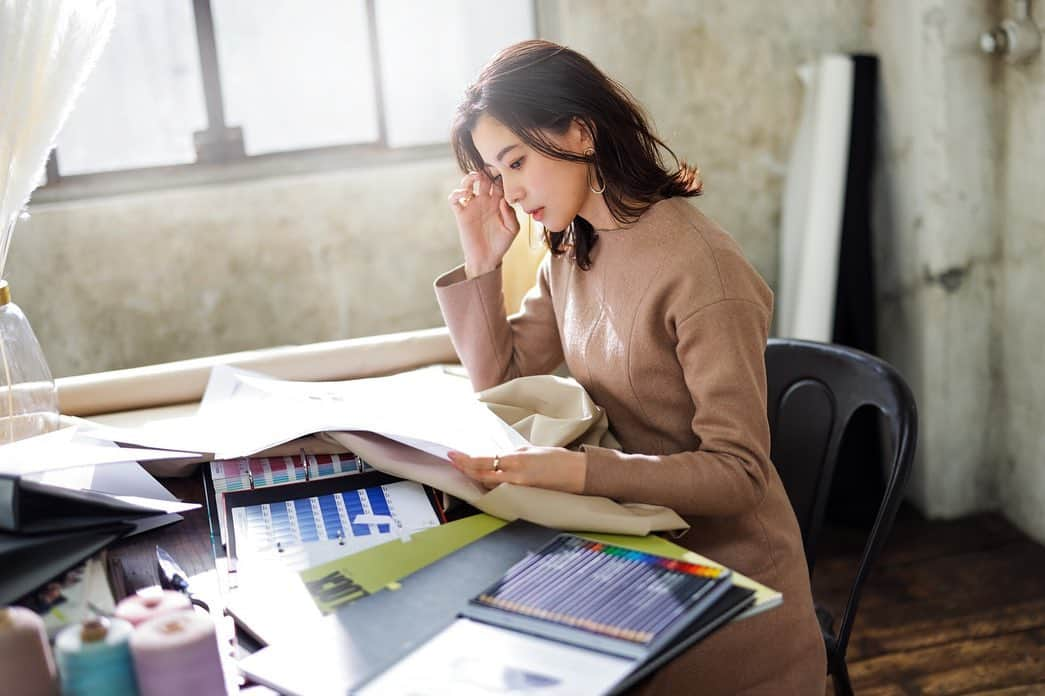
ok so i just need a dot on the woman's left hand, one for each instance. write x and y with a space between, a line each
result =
555 468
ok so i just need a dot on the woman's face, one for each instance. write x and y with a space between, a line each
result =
553 191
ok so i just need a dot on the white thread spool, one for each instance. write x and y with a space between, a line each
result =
177 654
139 608
26 663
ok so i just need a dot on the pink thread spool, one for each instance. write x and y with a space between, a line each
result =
177 654
26 662
140 608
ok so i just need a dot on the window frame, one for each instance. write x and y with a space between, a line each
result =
220 155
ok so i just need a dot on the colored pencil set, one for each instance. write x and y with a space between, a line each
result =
604 589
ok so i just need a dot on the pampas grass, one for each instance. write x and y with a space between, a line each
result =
47 50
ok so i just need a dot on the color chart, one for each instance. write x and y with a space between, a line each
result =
304 532
260 472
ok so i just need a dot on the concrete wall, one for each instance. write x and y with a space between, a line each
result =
118 282
719 79
960 229
1019 361
167 275
937 224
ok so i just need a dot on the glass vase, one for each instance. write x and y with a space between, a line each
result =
28 398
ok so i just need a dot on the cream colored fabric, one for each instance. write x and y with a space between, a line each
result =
549 508
550 411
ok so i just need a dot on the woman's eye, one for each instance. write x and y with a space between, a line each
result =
516 164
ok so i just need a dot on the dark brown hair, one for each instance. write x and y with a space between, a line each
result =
536 87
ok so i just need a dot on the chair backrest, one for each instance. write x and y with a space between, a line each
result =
813 391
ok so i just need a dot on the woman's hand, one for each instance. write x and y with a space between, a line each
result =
486 224
555 468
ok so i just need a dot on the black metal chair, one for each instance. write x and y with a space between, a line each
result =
813 391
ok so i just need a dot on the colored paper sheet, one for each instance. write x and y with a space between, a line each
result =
351 577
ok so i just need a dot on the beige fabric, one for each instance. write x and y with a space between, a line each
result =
549 508
550 411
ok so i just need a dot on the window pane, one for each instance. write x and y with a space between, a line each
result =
296 74
430 51
144 99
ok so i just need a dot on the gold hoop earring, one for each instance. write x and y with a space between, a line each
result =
590 152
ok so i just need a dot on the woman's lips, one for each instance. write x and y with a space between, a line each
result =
538 214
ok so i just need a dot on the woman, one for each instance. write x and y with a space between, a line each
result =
657 314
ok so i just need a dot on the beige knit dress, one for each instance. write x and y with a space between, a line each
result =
667 332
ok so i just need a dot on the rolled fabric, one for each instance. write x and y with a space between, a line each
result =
26 662
178 654
139 608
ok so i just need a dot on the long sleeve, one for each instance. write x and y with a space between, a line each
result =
493 346
721 349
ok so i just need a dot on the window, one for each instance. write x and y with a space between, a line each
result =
185 82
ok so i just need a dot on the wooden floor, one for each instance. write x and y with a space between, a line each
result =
951 608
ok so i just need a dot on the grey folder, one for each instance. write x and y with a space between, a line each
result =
342 651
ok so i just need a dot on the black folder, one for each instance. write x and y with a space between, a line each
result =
34 507
28 561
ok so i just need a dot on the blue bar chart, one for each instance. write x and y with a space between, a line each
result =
312 530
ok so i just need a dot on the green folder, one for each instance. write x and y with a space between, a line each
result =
380 567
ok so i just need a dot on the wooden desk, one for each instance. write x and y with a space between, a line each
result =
187 541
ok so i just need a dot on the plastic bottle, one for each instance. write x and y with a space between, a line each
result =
28 398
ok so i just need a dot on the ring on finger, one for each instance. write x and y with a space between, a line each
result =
464 200
497 462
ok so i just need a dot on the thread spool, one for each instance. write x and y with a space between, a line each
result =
94 658
140 608
25 655
177 654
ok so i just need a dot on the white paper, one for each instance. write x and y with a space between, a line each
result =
69 448
469 658
244 412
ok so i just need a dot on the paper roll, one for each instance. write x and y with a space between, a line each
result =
185 381
813 204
